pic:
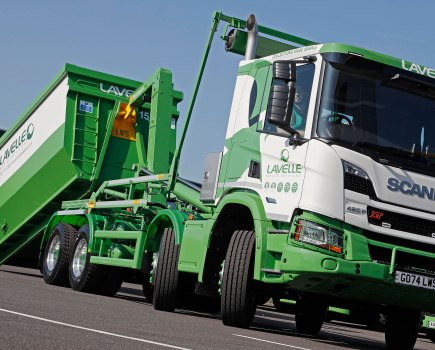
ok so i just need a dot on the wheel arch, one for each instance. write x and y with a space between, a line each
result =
236 211
164 219
250 200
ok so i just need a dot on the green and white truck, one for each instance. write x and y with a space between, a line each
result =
324 192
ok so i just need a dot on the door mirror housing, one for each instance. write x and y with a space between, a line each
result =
282 95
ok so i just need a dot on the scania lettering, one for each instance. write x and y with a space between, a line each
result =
322 193
407 187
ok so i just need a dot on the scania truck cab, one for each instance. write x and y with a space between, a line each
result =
324 191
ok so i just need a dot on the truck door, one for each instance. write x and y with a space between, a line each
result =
282 165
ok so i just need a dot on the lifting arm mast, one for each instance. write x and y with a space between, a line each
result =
236 23
236 41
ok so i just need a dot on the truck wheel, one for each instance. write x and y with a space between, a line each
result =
112 281
310 314
84 276
401 329
57 254
238 303
166 280
149 276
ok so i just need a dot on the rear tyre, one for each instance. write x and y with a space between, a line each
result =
310 314
112 281
238 303
165 295
57 254
84 276
401 329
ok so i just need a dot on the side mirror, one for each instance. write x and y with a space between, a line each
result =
282 95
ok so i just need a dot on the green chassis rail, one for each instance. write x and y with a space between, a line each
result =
117 236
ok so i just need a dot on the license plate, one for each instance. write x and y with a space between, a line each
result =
411 279
431 324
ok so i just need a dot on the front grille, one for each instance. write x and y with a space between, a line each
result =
400 222
360 185
404 260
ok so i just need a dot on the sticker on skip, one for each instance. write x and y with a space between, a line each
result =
86 106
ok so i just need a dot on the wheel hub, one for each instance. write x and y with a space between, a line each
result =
79 258
53 253
154 267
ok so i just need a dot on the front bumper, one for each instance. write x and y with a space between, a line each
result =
352 275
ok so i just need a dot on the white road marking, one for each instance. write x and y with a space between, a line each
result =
271 342
94 330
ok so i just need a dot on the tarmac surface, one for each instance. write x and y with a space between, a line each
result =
34 315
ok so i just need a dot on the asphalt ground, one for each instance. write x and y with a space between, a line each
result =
34 315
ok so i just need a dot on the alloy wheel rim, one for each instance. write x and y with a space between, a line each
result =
79 258
53 253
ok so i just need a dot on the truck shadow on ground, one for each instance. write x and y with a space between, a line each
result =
38 275
268 320
272 322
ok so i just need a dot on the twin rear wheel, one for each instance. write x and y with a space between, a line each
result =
67 262
57 255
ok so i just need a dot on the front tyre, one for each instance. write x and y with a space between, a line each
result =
401 329
238 303
57 255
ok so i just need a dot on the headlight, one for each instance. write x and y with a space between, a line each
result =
354 170
319 235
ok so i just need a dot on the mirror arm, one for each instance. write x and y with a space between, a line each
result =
295 139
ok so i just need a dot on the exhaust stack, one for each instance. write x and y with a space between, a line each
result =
251 45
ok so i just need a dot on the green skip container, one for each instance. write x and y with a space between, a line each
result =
61 149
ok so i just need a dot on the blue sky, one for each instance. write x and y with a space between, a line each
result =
133 38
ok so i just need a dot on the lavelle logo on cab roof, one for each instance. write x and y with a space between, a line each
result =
113 89
423 70
17 143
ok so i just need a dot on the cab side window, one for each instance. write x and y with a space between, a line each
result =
304 83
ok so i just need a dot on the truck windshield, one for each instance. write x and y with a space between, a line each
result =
379 110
